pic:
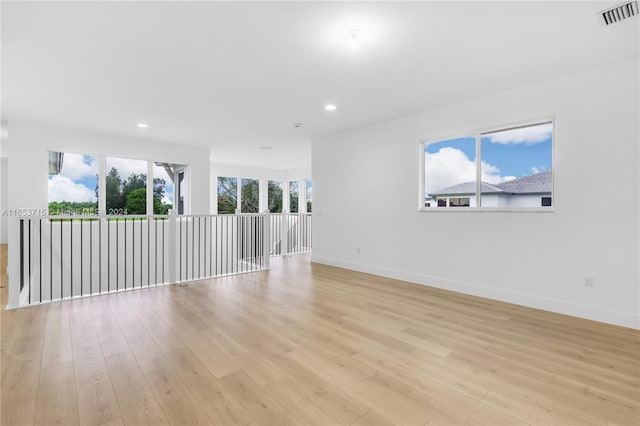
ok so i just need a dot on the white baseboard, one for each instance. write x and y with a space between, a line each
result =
595 313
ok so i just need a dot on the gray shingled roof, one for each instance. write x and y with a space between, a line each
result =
467 188
532 184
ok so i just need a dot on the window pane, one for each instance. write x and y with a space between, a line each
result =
294 190
309 195
163 188
449 170
126 186
275 196
459 202
72 184
516 166
250 199
227 195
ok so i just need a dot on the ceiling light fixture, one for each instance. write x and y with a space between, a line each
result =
297 124
266 148
330 107
143 125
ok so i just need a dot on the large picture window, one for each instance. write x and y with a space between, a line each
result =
73 185
508 168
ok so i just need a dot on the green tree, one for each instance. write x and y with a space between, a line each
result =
113 186
134 183
293 197
137 201
158 195
250 201
227 195
274 190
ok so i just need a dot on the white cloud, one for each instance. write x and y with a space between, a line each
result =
451 166
126 166
526 135
537 169
74 166
61 188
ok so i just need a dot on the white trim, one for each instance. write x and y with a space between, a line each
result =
624 319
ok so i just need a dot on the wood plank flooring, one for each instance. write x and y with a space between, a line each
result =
306 344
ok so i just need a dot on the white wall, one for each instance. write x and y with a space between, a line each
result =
27 149
4 197
4 188
366 194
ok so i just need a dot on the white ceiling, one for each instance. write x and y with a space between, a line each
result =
235 76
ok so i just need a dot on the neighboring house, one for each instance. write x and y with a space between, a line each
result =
529 191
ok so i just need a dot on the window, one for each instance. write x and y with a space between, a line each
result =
163 188
274 189
309 195
72 184
459 202
227 195
518 164
450 169
504 168
126 186
294 191
250 196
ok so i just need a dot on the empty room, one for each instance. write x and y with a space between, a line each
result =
320 213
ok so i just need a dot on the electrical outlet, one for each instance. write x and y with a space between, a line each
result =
588 281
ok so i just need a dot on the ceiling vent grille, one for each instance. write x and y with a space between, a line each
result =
620 12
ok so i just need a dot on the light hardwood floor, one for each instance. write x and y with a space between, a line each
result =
309 344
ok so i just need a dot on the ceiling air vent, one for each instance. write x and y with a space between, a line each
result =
620 12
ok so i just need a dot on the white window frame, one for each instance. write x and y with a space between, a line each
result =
102 173
478 135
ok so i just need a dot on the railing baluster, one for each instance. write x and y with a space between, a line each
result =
29 261
81 262
71 256
140 253
90 257
50 259
193 247
40 259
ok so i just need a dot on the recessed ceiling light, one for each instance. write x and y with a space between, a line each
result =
266 148
330 107
297 124
143 125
